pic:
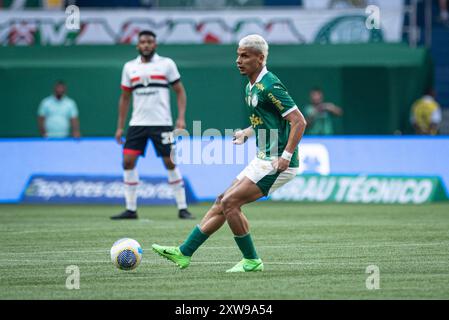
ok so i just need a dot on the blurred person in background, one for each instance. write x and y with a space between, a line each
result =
444 14
426 114
319 114
58 114
147 79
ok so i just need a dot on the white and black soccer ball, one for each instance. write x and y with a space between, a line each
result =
126 254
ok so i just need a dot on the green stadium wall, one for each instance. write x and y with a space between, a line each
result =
375 84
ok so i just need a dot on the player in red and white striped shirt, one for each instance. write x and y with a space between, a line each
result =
148 78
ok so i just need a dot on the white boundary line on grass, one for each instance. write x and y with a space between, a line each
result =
162 262
330 245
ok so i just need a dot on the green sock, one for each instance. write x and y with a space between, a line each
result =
193 242
246 245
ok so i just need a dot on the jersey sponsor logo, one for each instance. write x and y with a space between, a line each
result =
255 120
276 102
260 86
262 155
248 100
254 100
143 92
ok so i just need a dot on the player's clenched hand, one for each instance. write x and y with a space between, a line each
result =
118 136
239 137
280 164
180 123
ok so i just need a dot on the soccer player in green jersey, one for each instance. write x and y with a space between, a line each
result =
278 125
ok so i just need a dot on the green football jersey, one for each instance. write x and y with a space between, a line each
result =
268 102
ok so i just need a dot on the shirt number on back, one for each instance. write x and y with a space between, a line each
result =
167 137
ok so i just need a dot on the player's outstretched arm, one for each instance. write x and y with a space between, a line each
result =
297 127
181 97
123 107
240 136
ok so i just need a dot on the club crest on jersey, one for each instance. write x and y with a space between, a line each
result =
254 100
145 81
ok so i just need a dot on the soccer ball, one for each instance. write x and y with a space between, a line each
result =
126 254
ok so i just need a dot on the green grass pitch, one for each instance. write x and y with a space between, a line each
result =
310 251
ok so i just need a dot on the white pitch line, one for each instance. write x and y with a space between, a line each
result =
299 246
234 247
162 262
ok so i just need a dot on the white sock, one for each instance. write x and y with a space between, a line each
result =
177 184
131 179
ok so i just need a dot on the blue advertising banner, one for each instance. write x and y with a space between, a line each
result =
210 165
99 189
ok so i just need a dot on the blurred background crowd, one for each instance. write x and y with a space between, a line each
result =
347 78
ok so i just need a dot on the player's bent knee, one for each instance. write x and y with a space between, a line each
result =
217 208
228 204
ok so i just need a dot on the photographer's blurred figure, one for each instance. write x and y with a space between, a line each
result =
444 13
426 114
319 114
57 114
